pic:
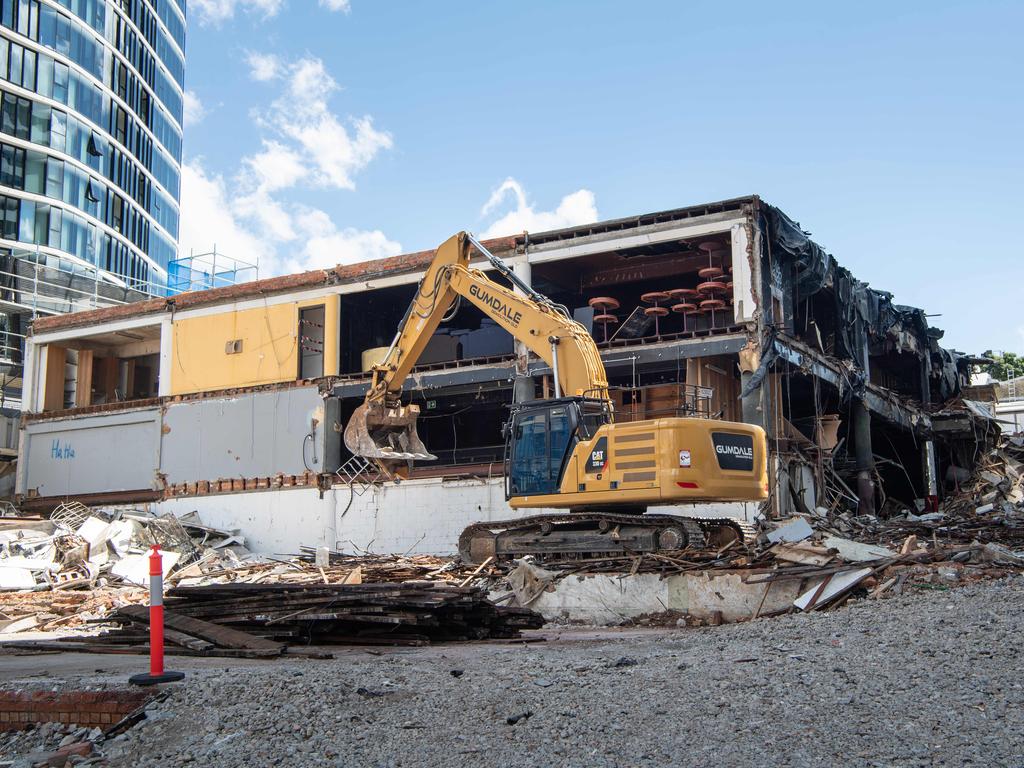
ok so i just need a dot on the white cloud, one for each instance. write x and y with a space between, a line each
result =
326 245
281 236
302 114
270 217
217 11
207 219
304 145
263 66
336 5
276 167
578 207
194 109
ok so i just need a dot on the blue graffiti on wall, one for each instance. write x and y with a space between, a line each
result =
58 451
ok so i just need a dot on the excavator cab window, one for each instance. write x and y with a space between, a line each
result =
539 440
593 415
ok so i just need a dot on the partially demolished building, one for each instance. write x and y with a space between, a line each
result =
231 401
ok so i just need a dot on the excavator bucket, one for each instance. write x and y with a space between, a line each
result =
387 434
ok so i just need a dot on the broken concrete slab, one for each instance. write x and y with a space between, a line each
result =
608 599
528 580
855 551
729 596
604 599
795 529
831 586
16 578
135 568
802 552
95 531
11 626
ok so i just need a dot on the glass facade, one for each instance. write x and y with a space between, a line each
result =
91 100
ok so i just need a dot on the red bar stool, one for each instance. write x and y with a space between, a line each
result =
657 312
686 303
603 306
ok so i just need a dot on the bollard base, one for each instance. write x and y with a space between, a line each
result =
148 679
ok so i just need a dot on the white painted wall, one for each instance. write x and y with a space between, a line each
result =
273 522
415 517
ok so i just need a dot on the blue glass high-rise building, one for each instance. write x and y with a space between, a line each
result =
91 100
91 120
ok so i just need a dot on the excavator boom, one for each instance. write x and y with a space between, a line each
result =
385 430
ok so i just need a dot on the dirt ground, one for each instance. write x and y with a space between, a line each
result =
930 678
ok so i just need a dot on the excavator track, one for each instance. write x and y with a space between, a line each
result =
589 534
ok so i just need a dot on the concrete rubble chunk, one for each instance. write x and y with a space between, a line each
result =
795 529
991 478
12 626
12 578
802 552
135 568
528 581
824 590
855 551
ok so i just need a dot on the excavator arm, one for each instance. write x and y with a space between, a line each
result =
385 430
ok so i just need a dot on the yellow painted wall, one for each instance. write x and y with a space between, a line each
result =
269 346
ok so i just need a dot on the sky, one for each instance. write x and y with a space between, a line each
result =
320 132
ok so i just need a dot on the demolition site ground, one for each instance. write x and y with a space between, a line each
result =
924 678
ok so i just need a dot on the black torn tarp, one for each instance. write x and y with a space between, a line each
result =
863 313
814 266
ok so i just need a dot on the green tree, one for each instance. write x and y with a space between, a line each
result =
1005 366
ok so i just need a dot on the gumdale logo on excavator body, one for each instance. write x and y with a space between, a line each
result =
497 305
735 450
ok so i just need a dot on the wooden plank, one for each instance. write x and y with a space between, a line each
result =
484 564
186 641
224 637
53 388
83 382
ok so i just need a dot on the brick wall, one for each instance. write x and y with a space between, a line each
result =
19 709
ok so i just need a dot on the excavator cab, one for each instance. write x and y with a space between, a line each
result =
541 435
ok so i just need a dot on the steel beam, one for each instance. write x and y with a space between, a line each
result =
615 360
878 400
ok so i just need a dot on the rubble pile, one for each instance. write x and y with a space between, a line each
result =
79 548
52 744
80 567
334 568
47 611
987 507
111 566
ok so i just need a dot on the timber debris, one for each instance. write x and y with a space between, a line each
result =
265 621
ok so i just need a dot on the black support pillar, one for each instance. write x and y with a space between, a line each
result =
865 458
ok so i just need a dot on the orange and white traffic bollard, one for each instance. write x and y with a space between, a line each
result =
157 673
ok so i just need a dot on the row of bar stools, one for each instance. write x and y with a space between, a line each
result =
655 298
686 303
603 307
714 288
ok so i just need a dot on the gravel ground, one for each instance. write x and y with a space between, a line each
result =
924 679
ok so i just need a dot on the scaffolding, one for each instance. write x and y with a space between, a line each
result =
202 271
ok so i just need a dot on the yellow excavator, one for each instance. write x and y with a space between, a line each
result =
565 452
